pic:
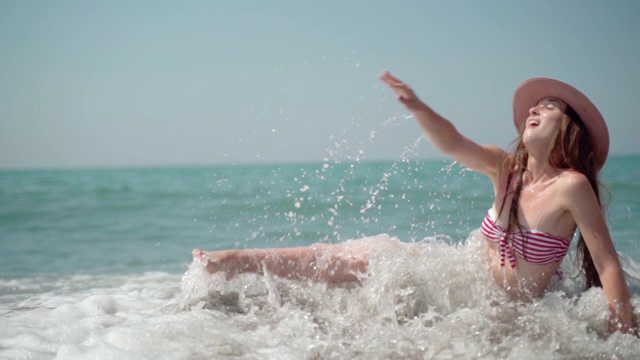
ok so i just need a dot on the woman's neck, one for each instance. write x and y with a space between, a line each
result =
539 170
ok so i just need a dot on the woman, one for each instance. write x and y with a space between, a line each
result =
544 190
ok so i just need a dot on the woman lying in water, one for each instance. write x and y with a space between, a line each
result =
544 190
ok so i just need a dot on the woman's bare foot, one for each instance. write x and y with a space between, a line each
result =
216 260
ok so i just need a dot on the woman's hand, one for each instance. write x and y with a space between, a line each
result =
622 320
404 93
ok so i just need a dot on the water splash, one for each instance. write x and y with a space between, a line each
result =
429 299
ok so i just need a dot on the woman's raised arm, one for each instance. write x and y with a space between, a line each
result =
486 159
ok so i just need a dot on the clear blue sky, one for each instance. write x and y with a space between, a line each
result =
148 83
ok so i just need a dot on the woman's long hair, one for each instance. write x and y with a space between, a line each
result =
572 149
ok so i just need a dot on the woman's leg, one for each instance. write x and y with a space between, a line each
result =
318 262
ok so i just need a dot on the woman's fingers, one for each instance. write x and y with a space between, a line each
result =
401 89
390 79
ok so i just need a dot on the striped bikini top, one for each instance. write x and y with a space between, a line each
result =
542 248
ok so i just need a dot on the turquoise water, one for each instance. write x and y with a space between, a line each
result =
104 254
132 220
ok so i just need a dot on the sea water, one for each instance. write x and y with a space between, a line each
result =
96 264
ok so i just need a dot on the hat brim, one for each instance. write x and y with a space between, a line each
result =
530 92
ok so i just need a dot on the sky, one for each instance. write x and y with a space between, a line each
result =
189 83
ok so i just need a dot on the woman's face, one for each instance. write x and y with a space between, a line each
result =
544 121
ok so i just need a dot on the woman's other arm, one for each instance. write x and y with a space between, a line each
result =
581 201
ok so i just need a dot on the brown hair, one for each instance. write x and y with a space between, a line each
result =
572 149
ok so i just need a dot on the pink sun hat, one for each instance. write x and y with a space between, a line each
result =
531 91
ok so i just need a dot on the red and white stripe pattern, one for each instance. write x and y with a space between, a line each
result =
541 248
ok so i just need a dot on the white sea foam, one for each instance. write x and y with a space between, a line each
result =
429 299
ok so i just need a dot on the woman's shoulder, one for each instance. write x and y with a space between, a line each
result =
571 176
573 183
